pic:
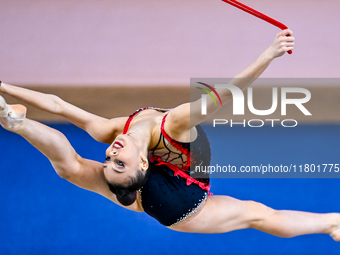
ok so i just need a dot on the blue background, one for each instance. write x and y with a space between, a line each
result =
41 213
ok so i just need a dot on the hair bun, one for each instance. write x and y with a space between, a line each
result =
126 197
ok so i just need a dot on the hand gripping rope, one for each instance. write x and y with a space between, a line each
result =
257 14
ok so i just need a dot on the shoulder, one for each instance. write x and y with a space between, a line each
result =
177 124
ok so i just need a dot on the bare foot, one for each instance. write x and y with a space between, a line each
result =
3 107
11 116
335 233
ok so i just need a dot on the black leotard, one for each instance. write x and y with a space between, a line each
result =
172 193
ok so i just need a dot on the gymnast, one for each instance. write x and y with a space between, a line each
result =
147 166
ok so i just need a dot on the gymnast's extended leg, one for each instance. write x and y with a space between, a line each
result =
84 173
101 129
54 145
223 214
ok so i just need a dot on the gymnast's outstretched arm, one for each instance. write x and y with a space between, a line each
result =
102 129
178 119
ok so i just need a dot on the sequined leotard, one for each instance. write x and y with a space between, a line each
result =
174 191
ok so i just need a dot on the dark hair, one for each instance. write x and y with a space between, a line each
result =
127 195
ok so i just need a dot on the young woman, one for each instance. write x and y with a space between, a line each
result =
147 165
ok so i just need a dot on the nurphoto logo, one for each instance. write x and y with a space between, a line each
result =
239 104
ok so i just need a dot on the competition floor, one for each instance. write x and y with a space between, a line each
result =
44 214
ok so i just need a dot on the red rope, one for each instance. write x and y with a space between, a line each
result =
256 14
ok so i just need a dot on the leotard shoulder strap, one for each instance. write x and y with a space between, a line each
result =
178 145
128 122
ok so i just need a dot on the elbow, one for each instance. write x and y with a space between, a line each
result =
68 171
64 175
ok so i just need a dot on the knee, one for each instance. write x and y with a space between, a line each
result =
56 107
260 214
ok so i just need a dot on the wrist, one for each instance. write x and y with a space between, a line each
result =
268 55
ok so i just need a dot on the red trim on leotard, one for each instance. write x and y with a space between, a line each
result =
128 122
173 142
189 179
186 167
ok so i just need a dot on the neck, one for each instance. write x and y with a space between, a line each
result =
141 134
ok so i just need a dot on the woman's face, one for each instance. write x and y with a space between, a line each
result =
123 160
